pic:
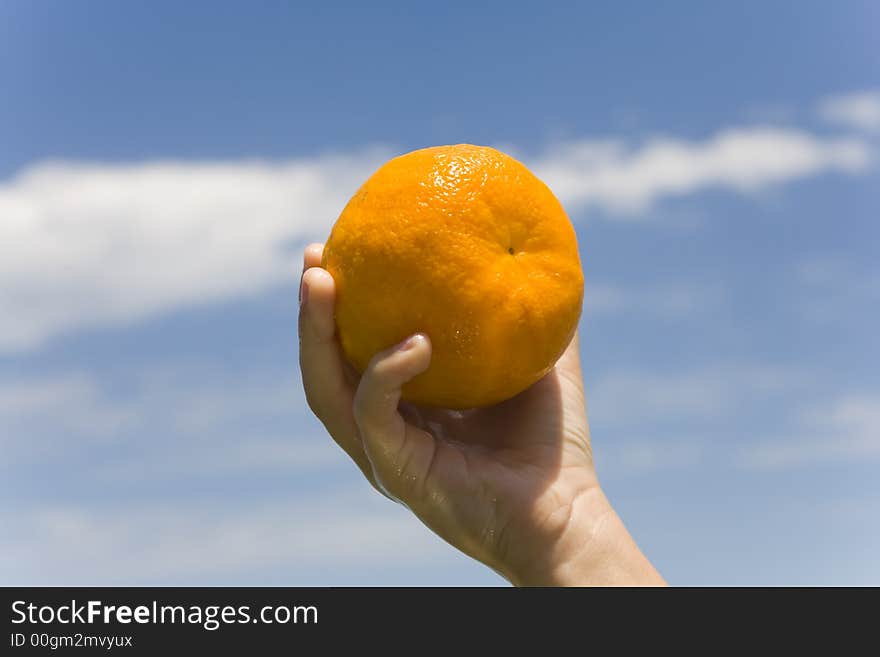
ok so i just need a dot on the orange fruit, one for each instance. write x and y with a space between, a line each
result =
466 245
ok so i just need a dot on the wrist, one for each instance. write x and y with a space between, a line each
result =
594 549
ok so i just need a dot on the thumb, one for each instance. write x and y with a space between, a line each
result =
399 453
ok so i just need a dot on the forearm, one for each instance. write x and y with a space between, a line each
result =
595 550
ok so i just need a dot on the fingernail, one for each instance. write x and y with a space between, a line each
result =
303 291
411 342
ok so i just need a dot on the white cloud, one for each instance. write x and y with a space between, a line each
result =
28 407
644 398
836 288
86 245
844 430
860 110
613 176
641 457
174 423
191 475
636 397
246 454
320 536
666 301
772 113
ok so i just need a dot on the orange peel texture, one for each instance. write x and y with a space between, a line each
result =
466 245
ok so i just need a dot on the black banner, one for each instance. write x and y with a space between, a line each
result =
161 621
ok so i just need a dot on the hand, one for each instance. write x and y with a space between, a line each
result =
512 485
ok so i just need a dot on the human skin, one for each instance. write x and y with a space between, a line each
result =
513 485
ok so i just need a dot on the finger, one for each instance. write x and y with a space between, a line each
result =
329 393
312 255
379 392
400 454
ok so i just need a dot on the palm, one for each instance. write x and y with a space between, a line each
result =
537 426
507 467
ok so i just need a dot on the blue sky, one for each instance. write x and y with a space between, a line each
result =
161 166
